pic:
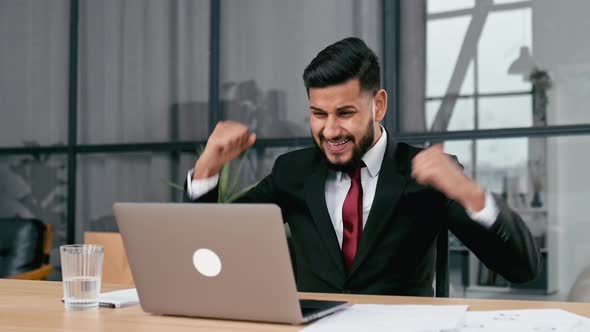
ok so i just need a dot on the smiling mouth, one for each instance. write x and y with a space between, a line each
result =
338 143
336 147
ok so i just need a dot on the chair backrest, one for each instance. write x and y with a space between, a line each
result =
21 245
580 291
115 267
442 262
47 243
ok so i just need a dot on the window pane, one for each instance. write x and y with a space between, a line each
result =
499 2
502 168
503 36
35 186
505 112
34 38
261 67
435 6
144 71
106 179
463 151
497 159
462 117
458 255
515 40
444 40
544 181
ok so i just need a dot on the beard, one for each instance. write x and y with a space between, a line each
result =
359 149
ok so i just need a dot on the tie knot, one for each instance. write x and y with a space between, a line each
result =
355 174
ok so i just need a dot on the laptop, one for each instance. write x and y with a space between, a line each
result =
227 261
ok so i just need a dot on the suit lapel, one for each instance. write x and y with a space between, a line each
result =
390 186
316 201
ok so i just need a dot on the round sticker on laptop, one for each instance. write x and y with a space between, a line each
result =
207 262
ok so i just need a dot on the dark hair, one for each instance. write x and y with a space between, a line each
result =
344 60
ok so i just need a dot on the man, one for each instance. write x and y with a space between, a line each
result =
364 212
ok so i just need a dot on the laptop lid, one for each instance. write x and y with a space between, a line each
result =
227 261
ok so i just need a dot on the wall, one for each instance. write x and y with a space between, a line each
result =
271 42
33 72
560 45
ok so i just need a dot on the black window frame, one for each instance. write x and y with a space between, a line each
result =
390 64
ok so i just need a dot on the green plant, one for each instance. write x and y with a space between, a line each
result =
228 180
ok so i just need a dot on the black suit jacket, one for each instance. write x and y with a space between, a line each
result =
396 252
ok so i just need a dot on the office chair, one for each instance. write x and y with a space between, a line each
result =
442 262
115 266
25 245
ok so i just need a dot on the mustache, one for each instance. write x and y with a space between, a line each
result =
337 138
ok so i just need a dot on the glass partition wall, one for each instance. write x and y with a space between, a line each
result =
112 100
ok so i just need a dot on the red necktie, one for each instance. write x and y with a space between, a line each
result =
352 216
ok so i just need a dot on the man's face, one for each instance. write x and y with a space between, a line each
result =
344 122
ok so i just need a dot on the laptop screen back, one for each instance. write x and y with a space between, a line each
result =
210 260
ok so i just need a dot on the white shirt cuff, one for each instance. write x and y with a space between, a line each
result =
488 215
199 187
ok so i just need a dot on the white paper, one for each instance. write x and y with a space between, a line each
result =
531 320
399 318
119 299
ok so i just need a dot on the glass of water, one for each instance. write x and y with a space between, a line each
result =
81 269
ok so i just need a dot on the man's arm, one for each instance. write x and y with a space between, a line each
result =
207 190
507 247
227 141
264 192
201 190
504 244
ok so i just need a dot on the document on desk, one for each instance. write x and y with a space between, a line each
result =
399 318
119 299
531 320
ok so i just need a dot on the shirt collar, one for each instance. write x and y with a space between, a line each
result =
374 157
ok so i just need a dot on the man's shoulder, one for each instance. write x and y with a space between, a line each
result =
406 150
402 153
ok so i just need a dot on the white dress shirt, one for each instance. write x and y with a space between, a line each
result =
338 184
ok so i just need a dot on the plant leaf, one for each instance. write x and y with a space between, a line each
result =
223 181
172 184
236 177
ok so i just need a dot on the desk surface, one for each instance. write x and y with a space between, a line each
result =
36 306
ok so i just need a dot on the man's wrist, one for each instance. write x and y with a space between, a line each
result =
204 171
473 197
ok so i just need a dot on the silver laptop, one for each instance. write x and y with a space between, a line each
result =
228 261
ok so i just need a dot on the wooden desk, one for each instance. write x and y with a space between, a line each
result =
36 306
